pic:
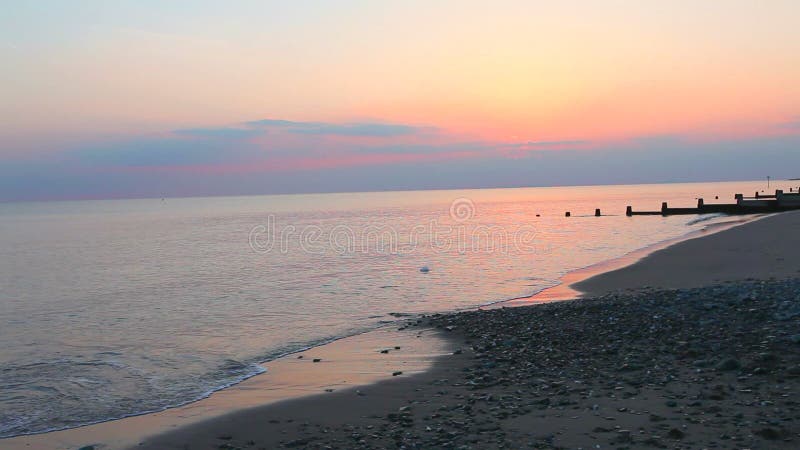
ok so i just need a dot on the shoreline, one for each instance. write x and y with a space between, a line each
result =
345 364
112 430
758 249
566 288
440 407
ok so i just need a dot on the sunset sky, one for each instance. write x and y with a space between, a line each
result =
105 99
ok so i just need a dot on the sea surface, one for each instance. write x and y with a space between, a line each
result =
119 307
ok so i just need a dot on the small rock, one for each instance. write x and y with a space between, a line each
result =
768 433
676 434
729 365
297 443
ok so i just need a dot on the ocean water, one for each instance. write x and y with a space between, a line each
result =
119 307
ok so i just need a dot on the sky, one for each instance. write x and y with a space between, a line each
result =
144 98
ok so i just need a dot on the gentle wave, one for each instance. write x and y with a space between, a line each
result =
705 218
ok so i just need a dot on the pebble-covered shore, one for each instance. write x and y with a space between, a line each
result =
715 367
709 367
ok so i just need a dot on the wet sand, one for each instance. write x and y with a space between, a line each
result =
665 366
343 365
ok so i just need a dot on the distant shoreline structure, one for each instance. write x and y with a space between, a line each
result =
758 204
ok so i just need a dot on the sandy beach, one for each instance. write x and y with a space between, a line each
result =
760 250
694 346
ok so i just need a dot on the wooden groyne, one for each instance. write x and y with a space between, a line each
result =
759 203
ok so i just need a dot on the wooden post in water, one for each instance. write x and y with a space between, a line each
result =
699 203
597 212
629 211
664 208
567 214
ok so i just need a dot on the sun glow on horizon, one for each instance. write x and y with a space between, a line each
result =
86 83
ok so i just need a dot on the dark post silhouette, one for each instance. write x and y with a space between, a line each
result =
744 205
597 212
567 214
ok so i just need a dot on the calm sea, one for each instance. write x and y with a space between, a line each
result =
112 308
